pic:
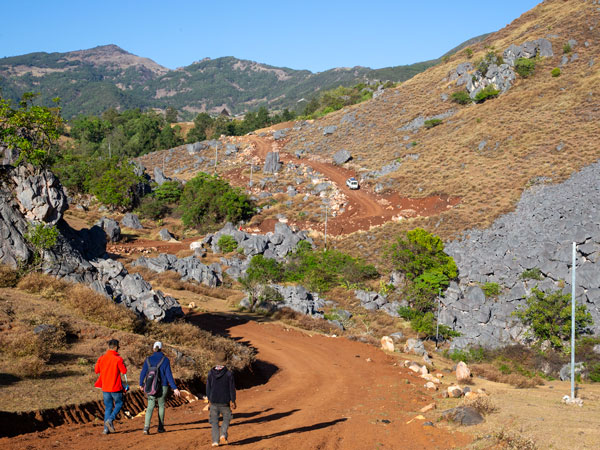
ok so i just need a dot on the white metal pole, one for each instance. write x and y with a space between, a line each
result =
251 173
326 211
573 321
437 327
216 156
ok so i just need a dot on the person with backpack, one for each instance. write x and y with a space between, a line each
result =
220 391
155 379
110 366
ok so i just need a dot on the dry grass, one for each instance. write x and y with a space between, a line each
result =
482 404
492 373
293 318
8 276
87 303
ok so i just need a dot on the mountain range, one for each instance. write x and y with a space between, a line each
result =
94 80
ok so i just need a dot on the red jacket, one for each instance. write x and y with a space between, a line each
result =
110 366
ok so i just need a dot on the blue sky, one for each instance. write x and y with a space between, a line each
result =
313 35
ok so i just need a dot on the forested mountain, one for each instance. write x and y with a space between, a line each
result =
92 81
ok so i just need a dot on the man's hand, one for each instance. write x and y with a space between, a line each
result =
232 405
176 392
141 387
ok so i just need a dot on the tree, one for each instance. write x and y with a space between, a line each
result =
549 317
202 123
32 130
116 186
171 115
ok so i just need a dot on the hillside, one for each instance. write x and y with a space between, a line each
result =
91 81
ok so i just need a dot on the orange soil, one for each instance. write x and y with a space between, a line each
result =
325 393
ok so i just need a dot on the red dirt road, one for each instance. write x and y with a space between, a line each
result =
365 209
326 393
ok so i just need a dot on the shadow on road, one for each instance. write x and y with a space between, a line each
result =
316 426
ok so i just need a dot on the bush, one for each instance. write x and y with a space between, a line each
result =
491 289
555 72
227 243
475 354
487 92
169 192
532 274
425 323
116 186
153 208
549 317
567 48
432 123
461 97
525 67
420 255
468 52
208 200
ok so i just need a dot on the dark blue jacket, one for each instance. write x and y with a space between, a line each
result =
220 386
166 376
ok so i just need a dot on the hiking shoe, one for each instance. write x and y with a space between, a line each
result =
223 440
105 431
215 444
108 424
146 430
161 430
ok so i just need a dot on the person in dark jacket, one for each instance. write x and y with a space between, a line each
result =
110 366
166 380
220 391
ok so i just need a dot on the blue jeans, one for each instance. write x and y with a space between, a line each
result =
112 405
216 409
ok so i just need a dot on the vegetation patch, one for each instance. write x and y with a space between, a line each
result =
227 243
491 289
430 123
461 97
486 93
555 72
525 67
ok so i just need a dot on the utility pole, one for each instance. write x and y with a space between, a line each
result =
251 167
109 152
437 327
216 157
573 322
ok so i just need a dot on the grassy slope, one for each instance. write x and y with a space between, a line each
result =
528 123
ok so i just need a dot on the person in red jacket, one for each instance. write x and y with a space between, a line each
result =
110 366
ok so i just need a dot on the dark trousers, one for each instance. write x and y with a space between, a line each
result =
216 409
112 405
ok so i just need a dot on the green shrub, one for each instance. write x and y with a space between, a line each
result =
420 255
468 52
549 317
487 92
594 372
525 67
432 123
567 48
555 72
471 355
461 97
116 186
490 58
41 237
491 289
208 201
227 243
425 323
153 208
169 192
532 274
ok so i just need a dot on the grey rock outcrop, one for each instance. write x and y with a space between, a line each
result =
329 130
77 256
159 176
39 194
537 235
111 228
190 268
165 235
297 298
341 157
272 164
374 301
530 49
131 220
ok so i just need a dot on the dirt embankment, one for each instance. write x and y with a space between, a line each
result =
322 392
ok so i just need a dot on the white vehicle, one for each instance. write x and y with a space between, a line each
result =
352 183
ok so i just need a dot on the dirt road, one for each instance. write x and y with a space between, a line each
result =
365 208
320 393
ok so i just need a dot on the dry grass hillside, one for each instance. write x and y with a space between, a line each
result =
543 126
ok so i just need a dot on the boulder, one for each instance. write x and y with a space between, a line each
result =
329 130
431 386
131 221
165 235
565 371
159 176
387 344
463 415
39 195
454 391
462 372
111 229
341 157
415 346
272 164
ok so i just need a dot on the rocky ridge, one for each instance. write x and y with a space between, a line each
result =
78 256
537 235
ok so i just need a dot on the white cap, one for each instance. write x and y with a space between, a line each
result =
157 345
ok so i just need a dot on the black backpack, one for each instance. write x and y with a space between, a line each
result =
152 381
